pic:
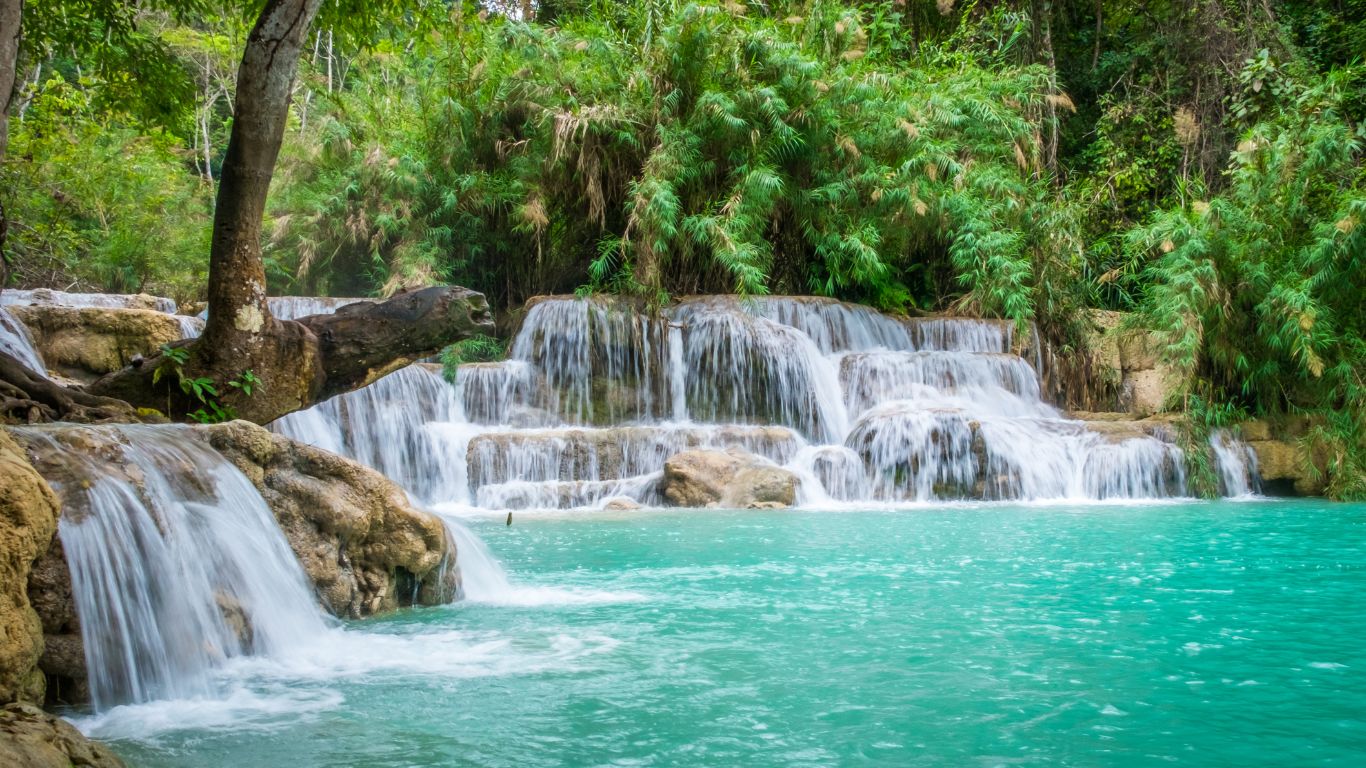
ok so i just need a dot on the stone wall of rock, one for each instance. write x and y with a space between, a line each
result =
32 738
1285 464
28 520
1130 360
364 546
88 342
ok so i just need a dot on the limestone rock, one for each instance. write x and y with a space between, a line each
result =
621 503
28 520
1132 358
364 547
88 342
1286 469
31 738
729 478
63 659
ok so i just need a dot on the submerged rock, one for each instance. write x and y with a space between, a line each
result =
31 738
362 544
729 478
87 342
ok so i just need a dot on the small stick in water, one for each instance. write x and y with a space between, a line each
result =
509 518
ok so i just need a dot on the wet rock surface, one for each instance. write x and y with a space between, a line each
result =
32 738
364 547
726 478
28 520
84 343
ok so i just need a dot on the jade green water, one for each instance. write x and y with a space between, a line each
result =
1194 634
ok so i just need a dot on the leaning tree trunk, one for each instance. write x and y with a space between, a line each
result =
302 362
238 314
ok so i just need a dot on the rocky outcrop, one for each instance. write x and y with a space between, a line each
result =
63 659
31 738
1284 462
729 478
87 342
365 548
28 520
1131 358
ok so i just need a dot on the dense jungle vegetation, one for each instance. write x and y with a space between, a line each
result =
1196 163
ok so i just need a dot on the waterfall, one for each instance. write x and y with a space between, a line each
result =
1236 463
597 395
678 375
295 307
47 297
395 426
16 342
176 562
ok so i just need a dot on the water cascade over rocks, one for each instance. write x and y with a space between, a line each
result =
16 342
190 327
863 407
176 562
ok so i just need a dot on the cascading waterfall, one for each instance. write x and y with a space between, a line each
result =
177 564
295 307
862 406
402 425
190 327
1236 462
48 297
16 342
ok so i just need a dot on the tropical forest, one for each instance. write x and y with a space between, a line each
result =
682 383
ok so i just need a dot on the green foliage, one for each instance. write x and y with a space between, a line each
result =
97 203
678 147
1197 163
1257 291
479 349
201 389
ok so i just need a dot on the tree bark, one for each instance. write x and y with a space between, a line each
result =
303 362
11 14
238 315
26 398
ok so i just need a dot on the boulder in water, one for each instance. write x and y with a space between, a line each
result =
364 547
87 342
31 738
729 478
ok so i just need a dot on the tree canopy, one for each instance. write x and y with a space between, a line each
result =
1197 163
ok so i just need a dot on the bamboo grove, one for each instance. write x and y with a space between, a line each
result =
1195 163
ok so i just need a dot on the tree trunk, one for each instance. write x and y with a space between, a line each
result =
26 397
238 315
11 13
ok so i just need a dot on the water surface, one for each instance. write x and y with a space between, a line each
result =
1202 634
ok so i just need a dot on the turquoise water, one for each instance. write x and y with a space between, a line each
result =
1206 634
